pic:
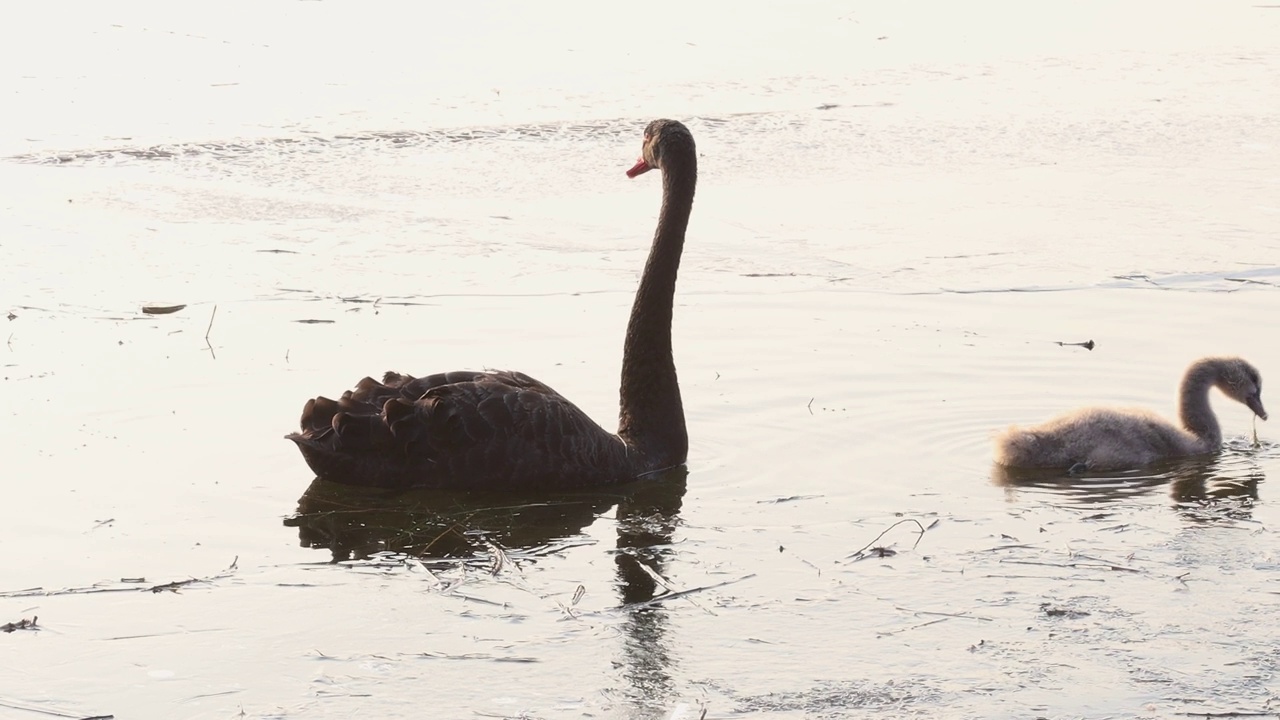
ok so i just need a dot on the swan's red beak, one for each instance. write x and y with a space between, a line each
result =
639 168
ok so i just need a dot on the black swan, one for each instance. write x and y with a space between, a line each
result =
506 431
1114 439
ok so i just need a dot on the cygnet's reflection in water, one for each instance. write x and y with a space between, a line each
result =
355 523
1192 483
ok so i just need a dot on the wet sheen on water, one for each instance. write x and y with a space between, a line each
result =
908 218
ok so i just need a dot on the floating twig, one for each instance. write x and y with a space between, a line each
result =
963 615
913 627
1087 344
164 310
681 593
173 586
15 705
136 582
858 553
789 498
1008 547
1080 565
1250 281
666 585
1230 714
1070 578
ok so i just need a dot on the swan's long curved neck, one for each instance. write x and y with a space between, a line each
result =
1193 405
651 414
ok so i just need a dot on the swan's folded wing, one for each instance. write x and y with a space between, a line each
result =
458 429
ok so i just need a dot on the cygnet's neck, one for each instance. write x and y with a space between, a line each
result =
1193 406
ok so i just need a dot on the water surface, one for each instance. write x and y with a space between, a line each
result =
902 212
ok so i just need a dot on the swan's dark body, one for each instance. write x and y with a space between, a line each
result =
505 430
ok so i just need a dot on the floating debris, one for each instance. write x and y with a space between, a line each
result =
1053 611
132 584
23 624
867 550
1087 345
161 309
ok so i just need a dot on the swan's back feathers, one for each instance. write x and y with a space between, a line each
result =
478 430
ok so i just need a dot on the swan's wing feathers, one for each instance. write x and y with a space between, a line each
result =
362 431
401 418
466 429
491 431
517 379
317 416
412 388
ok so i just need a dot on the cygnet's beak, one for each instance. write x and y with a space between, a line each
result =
1255 404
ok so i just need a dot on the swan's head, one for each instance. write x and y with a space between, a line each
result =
662 139
1242 383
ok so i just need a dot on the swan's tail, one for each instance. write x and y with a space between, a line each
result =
350 439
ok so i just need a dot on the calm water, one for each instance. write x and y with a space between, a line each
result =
903 210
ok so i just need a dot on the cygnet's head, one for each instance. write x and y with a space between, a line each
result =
1242 383
660 137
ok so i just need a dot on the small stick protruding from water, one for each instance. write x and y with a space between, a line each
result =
1256 444
214 314
1087 344
209 329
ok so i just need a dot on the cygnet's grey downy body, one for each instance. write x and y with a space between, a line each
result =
1118 439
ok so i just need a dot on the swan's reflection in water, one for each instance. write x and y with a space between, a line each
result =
1191 483
357 523
646 521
